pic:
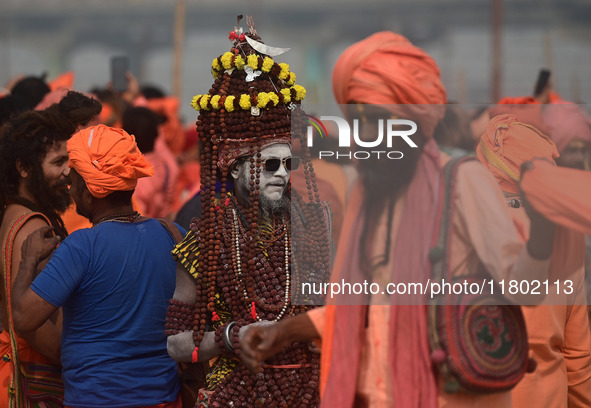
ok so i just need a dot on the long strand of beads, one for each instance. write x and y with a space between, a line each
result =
239 269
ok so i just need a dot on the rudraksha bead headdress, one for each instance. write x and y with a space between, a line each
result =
250 106
250 103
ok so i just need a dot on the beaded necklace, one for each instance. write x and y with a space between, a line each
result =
235 236
126 218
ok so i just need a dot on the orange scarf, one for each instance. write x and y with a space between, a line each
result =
387 69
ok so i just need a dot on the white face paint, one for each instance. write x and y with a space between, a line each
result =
272 184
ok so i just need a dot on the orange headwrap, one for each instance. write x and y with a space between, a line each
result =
386 69
507 144
107 159
526 109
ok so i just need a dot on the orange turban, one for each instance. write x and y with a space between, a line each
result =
507 144
107 159
386 69
526 109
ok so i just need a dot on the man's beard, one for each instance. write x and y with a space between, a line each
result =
55 197
267 207
271 208
388 177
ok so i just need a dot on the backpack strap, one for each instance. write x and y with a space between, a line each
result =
439 254
171 228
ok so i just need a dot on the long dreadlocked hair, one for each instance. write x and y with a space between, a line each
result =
29 137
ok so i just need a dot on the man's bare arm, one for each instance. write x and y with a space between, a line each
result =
181 346
46 340
29 310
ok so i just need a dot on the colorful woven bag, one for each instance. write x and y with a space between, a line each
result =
478 342
42 385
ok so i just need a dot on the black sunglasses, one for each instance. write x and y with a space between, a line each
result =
290 163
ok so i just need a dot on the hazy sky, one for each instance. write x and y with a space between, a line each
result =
58 35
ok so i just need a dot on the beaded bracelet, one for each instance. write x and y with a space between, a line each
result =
222 337
234 335
179 317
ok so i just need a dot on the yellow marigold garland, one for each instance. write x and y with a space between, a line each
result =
215 102
262 99
195 102
273 97
239 62
227 60
284 74
286 92
267 64
245 102
204 101
300 92
229 103
253 61
291 80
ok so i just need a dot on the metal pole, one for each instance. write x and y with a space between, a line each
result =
497 22
179 35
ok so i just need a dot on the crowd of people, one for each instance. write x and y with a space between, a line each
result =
148 263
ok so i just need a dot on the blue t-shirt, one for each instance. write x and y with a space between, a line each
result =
114 282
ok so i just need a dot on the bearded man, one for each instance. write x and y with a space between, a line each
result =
235 266
113 281
34 193
378 353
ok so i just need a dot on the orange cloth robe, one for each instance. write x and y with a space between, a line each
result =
561 194
559 340
481 229
559 335
25 352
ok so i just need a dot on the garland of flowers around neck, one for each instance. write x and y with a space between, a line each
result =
236 235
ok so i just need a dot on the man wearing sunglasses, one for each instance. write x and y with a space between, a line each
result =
236 267
276 164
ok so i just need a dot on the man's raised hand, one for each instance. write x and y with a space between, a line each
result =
40 244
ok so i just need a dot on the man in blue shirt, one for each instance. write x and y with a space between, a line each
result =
113 282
